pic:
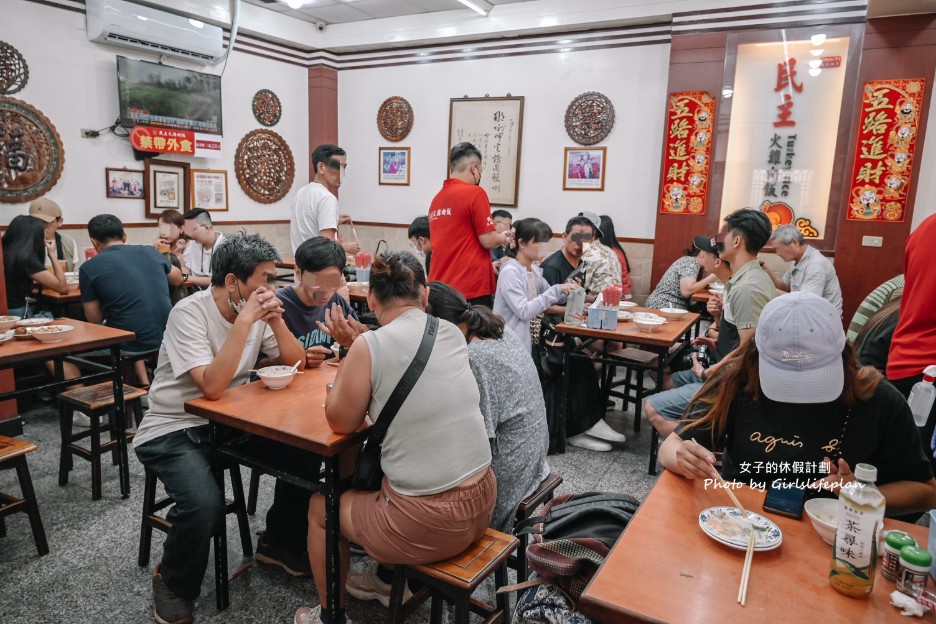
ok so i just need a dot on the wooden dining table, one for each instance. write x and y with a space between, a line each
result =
665 569
83 337
660 343
295 416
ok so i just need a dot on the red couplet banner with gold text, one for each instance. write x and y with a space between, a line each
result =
687 149
887 132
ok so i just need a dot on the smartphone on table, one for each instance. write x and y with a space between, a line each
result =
785 500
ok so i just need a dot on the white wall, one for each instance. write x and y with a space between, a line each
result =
74 83
634 78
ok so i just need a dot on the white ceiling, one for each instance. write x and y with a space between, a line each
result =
343 11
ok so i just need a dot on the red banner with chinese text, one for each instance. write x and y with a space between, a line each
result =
163 140
887 132
687 149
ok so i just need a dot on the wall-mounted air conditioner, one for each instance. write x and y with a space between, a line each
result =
135 26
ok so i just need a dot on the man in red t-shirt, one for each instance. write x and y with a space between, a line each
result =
913 346
462 231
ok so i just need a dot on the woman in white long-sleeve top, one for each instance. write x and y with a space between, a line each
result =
522 293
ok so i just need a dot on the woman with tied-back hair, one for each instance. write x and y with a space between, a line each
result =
438 489
511 399
522 292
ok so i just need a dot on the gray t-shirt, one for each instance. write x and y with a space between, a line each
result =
437 439
194 335
515 420
814 273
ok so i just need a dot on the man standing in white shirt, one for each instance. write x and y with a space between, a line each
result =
810 271
314 210
197 255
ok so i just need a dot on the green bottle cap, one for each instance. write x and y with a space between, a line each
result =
898 539
914 555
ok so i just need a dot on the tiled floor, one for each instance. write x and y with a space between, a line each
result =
91 573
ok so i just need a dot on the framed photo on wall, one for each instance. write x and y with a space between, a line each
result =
210 189
584 169
165 185
394 165
495 126
124 183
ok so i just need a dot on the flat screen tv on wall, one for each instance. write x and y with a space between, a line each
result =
168 97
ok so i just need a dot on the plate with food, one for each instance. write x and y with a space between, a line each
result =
6 335
49 333
8 322
728 526
33 322
21 332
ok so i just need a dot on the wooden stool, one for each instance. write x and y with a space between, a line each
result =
95 401
638 362
151 520
455 579
525 510
15 451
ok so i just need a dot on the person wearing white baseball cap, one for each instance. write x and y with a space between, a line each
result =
66 249
795 406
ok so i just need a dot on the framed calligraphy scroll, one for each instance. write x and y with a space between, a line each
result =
495 127
884 149
687 152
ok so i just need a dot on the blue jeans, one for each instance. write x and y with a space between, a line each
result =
671 404
184 467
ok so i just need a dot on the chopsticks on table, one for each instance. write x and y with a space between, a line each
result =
749 554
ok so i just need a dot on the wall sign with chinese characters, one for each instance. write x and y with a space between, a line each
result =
495 126
887 131
31 154
168 141
787 97
688 150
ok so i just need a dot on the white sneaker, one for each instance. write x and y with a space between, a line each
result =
603 431
80 419
585 441
311 615
367 586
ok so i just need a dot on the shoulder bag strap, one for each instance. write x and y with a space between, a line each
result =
406 383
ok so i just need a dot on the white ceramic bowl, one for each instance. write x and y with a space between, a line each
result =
6 335
33 322
276 377
357 287
673 314
648 325
8 322
49 333
822 512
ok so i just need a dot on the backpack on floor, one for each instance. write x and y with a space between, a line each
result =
571 539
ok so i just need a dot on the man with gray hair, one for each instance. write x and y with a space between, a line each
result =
810 271
212 341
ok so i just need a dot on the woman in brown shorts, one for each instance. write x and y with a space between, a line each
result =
438 491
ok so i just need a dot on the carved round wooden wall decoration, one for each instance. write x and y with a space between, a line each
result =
267 107
31 153
14 73
264 166
395 118
589 118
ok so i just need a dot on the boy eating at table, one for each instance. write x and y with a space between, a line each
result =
212 339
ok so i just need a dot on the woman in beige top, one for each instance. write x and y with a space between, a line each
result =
438 491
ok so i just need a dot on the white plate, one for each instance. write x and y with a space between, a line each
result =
625 316
722 525
34 322
627 304
7 335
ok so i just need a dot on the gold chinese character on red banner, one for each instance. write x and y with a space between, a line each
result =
688 146
887 131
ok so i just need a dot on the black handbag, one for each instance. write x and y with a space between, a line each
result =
367 471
